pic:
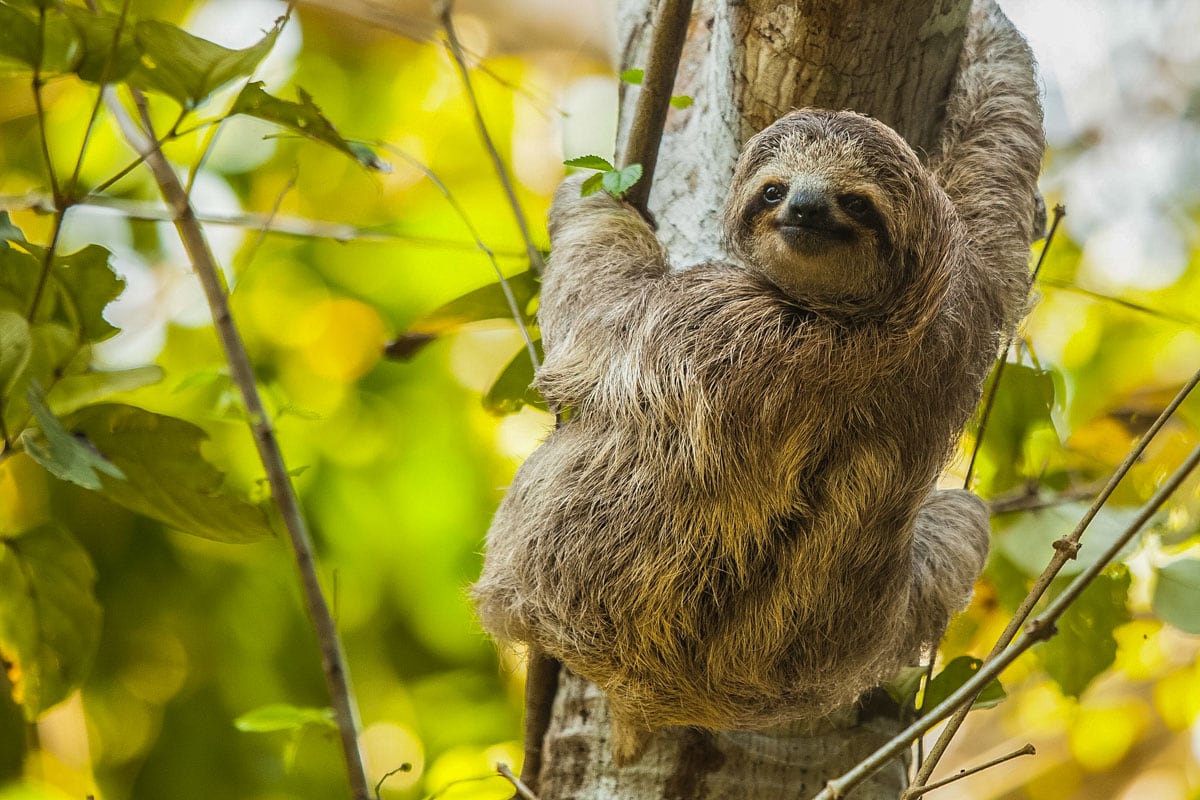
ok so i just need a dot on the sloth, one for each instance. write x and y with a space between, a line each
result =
736 524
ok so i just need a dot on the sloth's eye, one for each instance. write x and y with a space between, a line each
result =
857 206
774 193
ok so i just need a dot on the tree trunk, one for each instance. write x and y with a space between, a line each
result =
747 62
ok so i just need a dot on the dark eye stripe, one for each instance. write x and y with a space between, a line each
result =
760 203
860 208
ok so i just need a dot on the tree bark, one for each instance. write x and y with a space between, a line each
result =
746 63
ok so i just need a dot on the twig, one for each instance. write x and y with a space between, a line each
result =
267 223
405 767
1040 629
522 789
1064 550
513 308
1059 212
1178 319
242 373
105 74
39 107
650 113
917 791
443 9
1032 501
985 416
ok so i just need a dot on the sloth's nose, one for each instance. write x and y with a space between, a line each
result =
809 208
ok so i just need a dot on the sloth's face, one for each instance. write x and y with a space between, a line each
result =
814 208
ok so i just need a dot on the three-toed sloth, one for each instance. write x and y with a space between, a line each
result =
737 525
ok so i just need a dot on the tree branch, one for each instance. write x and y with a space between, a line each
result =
242 373
1039 629
444 9
1064 550
650 114
917 791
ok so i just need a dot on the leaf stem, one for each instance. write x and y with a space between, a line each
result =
242 373
60 215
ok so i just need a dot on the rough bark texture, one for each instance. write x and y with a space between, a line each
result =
746 63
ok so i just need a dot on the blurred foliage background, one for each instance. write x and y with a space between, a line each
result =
399 465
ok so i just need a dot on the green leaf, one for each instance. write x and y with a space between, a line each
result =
98 61
166 476
1177 594
284 717
904 686
15 347
305 119
619 182
12 736
681 101
954 675
18 36
592 184
8 231
1023 407
76 391
188 68
61 454
1084 646
1027 539
589 162
79 286
513 389
54 351
87 283
486 302
633 76
49 617
19 272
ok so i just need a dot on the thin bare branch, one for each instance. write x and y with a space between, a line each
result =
268 223
242 373
1065 549
1039 629
37 83
1177 318
105 73
513 307
444 9
917 791
1034 501
522 789
1059 212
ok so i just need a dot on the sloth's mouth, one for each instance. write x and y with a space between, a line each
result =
810 238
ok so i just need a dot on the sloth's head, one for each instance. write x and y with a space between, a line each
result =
819 205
